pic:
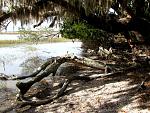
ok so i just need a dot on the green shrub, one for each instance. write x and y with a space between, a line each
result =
79 29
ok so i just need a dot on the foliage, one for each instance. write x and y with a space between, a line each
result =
129 15
35 36
27 9
80 29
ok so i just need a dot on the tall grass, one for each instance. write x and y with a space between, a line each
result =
58 40
10 42
50 40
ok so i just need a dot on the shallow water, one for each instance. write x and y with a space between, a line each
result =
24 59
9 37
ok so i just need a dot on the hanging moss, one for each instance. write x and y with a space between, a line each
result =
26 10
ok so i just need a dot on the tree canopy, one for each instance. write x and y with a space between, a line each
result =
127 15
86 19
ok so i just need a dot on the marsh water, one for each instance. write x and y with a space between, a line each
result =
25 58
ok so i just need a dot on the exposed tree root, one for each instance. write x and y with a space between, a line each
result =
142 86
59 94
50 67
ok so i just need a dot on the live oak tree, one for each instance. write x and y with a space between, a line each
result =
88 17
128 15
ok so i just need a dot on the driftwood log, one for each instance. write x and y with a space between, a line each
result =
50 68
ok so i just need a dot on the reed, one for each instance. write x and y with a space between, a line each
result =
50 40
10 42
58 40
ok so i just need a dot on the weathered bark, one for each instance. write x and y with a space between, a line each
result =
143 86
118 72
3 76
89 62
42 67
51 69
69 80
45 101
47 65
51 66
59 94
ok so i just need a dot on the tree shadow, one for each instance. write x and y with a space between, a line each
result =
122 98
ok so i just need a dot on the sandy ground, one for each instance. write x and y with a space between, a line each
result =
103 95
116 94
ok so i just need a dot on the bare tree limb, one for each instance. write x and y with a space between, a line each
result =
46 15
5 16
42 67
53 22
52 68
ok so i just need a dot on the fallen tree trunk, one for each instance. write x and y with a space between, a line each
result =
42 67
77 60
59 94
69 80
50 67
89 62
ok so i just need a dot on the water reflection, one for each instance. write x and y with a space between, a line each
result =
18 59
29 65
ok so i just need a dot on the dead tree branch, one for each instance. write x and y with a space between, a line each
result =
46 15
50 67
42 67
